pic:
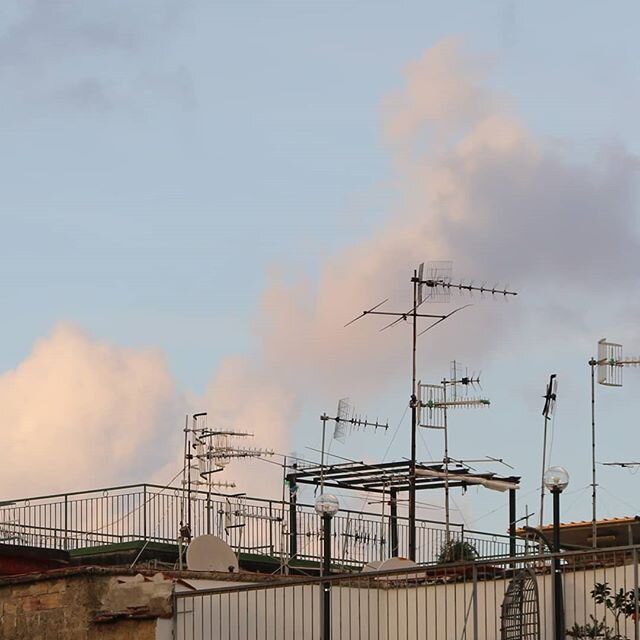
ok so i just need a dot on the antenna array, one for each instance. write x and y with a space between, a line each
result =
345 421
209 451
432 283
433 402
609 364
433 398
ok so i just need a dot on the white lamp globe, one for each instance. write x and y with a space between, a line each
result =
556 478
327 505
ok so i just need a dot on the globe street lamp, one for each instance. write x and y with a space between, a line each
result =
556 479
327 506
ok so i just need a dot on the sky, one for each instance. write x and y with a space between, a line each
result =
196 197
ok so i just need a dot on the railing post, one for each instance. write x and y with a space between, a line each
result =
270 528
66 522
475 601
636 629
512 523
293 515
393 522
144 512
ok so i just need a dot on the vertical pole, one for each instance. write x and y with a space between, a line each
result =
594 526
556 519
326 570
558 604
326 555
188 458
66 521
293 513
475 601
512 522
144 512
271 528
324 419
544 468
446 464
414 424
185 470
636 611
209 506
393 521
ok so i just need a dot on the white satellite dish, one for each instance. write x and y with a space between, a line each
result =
388 565
210 553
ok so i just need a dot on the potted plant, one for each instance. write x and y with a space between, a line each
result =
457 551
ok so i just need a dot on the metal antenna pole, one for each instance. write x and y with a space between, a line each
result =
324 417
446 463
185 468
544 468
550 398
414 423
610 364
594 526
434 399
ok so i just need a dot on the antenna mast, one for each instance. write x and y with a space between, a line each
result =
209 451
549 406
437 284
610 363
434 399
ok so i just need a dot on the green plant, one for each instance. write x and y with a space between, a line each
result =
594 629
457 551
620 603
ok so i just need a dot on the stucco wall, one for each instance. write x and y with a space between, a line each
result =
435 611
64 608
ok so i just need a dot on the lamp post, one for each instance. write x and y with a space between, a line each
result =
327 506
556 480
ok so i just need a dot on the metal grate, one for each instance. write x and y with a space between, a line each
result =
520 615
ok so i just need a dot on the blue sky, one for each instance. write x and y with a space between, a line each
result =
166 162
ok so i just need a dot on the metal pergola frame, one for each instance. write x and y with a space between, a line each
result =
393 478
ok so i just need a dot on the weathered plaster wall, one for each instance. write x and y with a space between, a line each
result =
65 608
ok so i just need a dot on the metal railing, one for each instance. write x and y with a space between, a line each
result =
252 525
503 598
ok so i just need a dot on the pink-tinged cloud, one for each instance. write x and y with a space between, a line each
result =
471 184
80 413
474 185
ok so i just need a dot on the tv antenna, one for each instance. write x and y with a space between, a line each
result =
345 422
209 451
609 365
432 283
624 465
465 379
433 408
550 397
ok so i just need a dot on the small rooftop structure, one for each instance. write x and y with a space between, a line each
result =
611 532
386 476
390 478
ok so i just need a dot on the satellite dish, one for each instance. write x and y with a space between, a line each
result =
372 566
388 565
210 553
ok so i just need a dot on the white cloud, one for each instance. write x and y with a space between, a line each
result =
78 413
